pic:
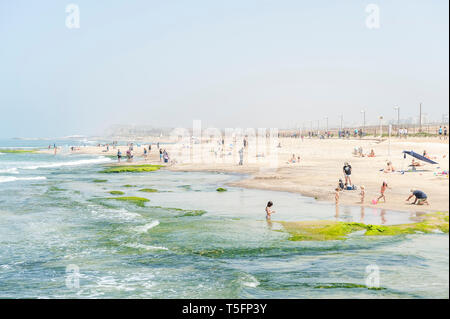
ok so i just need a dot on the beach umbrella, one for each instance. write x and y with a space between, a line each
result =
419 157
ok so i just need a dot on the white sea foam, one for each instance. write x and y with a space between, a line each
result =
98 160
116 214
250 281
145 228
12 170
146 247
4 179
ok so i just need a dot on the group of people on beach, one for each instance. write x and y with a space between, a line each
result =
420 197
403 132
294 159
163 154
358 152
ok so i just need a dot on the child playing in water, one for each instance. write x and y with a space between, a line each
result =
336 195
269 210
383 189
363 194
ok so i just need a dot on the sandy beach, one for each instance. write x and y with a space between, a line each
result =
320 168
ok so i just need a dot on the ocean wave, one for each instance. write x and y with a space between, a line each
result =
4 179
98 160
122 214
12 170
249 281
146 247
145 228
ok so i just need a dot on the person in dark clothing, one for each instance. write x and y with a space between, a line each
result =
421 197
341 185
347 172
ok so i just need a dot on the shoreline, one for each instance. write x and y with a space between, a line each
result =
320 168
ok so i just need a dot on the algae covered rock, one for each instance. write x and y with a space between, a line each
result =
139 201
116 192
182 212
100 180
335 230
16 151
148 190
132 168
319 230
55 189
221 189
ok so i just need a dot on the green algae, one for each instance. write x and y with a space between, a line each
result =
335 230
128 185
148 190
221 189
15 151
100 180
139 201
319 230
193 212
116 192
55 189
182 212
132 168
346 285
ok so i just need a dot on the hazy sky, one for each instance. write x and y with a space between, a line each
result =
233 63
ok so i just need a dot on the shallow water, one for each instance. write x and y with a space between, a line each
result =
53 215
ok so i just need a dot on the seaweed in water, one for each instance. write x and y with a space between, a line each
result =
139 201
335 230
148 190
132 168
116 192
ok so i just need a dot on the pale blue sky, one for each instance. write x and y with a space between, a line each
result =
246 63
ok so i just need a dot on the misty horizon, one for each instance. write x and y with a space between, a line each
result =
252 64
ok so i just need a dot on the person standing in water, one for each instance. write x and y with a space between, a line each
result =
269 210
336 195
119 155
362 194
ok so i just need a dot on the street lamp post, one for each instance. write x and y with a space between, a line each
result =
364 121
397 108
381 126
